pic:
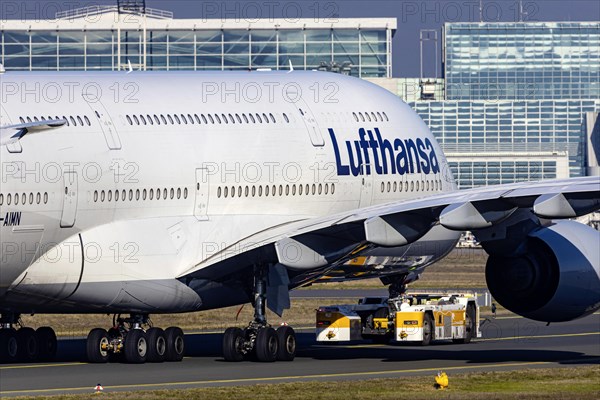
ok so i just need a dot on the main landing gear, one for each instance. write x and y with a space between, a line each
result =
259 340
25 344
135 341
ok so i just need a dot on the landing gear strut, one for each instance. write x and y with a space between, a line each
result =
259 340
25 344
136 341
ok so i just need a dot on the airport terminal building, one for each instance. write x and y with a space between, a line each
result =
520 101
110 38
517 101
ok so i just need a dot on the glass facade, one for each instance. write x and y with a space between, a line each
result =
517 127
193 45
524 61
470 174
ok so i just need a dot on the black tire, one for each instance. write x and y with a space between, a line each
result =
136 346
27 345
428 330
233 340
97 346
286 344
470 326
266 345
175 344
8 346
47 343
157 345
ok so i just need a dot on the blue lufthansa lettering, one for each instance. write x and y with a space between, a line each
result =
404 156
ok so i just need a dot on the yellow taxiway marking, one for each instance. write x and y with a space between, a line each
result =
281 378
42 365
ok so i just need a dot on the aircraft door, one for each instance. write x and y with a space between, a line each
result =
312 126
106 123
366 187
201 204
69 211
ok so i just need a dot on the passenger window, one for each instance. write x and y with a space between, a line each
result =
252 118
285 117
224 117
87 120
231 119
245 118
183 119
367 115
143 119
197 119
385 116
177 120
379 116
258 118
239 120
71 117
129 119
189 117
163 119
217 118
156 119
265 118
204 119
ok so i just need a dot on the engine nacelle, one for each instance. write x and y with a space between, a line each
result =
556 278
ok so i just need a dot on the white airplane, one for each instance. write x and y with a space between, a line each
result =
145 193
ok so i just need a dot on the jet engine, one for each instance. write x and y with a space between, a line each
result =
555 275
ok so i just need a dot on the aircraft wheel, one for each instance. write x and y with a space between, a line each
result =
8 345
286 341
27 345
136 346
47 343
266 345
233 340
470 326
175 344
157 345
428 330
97 346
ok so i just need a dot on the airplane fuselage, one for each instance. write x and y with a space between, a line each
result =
157 176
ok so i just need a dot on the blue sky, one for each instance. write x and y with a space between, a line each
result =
412 16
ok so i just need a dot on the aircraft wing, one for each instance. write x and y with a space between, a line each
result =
12 133
312 244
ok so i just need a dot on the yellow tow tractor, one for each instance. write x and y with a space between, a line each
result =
417 318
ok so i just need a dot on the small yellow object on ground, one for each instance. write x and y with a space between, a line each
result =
441 380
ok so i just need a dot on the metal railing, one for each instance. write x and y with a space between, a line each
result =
93 10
